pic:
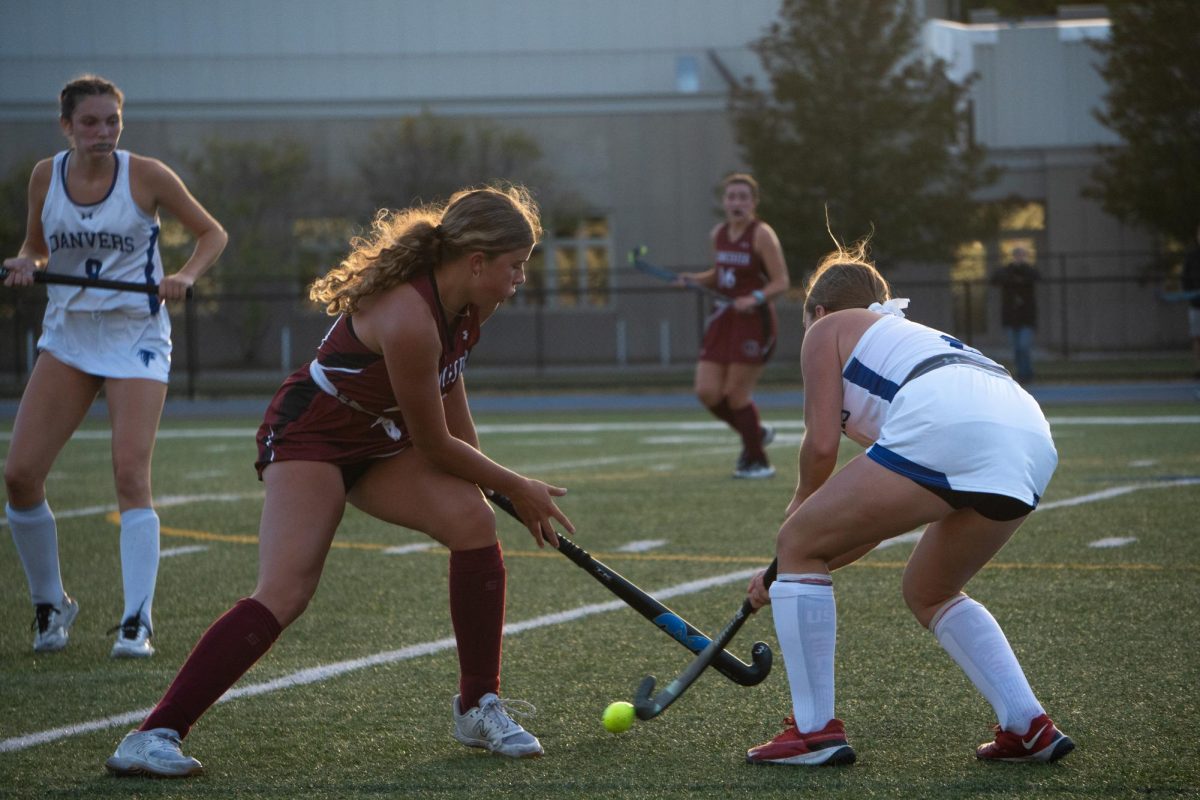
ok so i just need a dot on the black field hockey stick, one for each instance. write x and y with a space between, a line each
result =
667 620
667 276
41 276
649 705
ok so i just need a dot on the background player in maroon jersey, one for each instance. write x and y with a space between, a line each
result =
379 419
739 337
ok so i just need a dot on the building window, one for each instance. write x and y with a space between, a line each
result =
968 286
571 268
1022 224
687 75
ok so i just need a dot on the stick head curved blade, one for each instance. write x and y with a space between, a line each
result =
643 699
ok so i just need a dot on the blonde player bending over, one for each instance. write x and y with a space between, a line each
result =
379 419
955 444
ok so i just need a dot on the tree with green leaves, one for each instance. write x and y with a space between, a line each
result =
425 158
257 189
857 123
14 205
1152 67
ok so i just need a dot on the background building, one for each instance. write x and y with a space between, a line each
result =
627 100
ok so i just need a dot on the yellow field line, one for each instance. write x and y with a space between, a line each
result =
236 538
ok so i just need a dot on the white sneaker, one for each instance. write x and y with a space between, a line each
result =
155 753
754 470
768 434
51 625
133 640
489 726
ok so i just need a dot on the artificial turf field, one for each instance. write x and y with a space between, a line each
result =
353 701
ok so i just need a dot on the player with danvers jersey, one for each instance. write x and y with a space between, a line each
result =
739 336
93 213
953 444
379 419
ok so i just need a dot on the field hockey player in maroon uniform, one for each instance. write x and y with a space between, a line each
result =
739 336
379 419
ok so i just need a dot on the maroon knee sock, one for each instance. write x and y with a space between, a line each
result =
224 653
749 427
723 412
477 584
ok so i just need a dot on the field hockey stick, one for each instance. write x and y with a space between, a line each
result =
667 620
41 276
667 276
648 705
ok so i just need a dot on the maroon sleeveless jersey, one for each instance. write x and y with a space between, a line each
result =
740 270
340 407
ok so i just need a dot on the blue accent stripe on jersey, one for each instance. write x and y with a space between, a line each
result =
861 375
898 463
149 269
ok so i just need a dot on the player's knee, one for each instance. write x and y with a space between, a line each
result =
708 396
476 514
922 601
286 602
23 486
467 522
132 483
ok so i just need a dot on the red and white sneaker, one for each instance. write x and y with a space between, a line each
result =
1043 742
826 747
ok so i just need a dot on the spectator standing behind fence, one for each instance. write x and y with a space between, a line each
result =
93 213
1018 309
1191 283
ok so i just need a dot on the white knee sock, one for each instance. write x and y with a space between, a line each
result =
973 638
139 562
35 534
806 624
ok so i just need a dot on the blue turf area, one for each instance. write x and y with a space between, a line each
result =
1046 395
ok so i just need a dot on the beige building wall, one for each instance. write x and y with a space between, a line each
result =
625 98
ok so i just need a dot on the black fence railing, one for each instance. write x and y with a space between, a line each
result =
629 323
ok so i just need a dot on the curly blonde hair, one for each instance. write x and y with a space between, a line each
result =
846 278
403 245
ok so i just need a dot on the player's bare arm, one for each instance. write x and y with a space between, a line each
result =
822 371
154 186
407 337
33 253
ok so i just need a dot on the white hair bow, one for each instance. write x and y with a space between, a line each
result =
895 307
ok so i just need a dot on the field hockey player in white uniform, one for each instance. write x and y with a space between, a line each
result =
93 213
954 444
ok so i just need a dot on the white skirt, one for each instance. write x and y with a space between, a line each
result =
109 344
967 429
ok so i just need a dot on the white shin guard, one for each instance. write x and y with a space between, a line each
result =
806 624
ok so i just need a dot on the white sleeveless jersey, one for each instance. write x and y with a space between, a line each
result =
112 239
967 427
878 365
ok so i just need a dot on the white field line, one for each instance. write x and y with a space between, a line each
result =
166 501
183 551
601 427
1115 491
405 549
641 546
1113 541
326 672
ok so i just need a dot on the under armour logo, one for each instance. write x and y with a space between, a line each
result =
146 356
464 335
86 214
